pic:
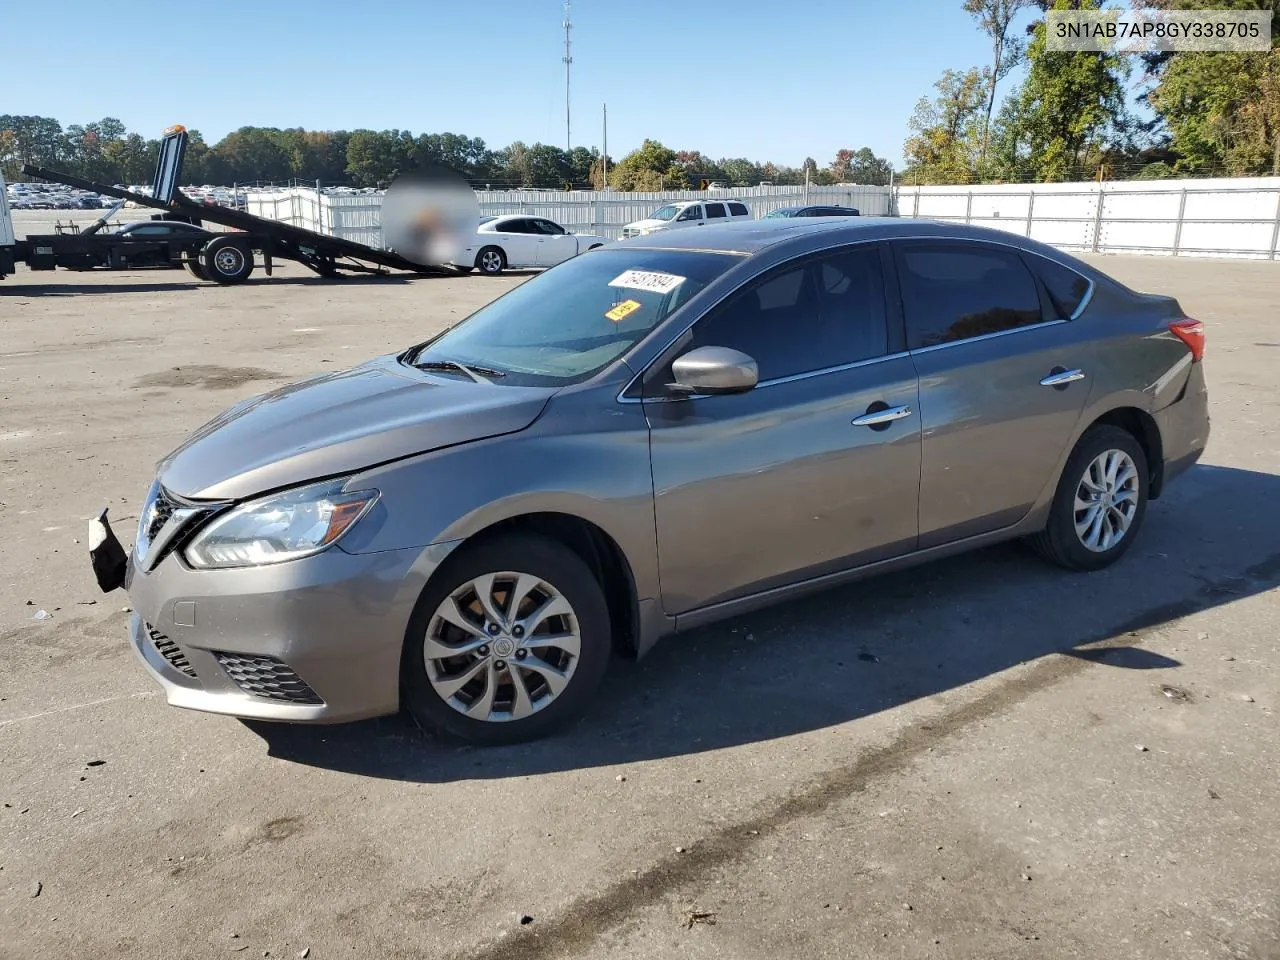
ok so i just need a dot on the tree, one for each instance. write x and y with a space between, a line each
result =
375 159
995 17
946 140
651 167
1072 105
741 172
860 166
1221 109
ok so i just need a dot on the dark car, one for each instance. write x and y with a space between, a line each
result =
813 212
158 252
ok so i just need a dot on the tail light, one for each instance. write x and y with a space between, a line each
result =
1190 332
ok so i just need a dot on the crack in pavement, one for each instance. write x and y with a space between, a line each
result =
586 919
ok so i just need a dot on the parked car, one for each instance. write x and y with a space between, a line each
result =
688 213
158 232
815 211
522 241
642 440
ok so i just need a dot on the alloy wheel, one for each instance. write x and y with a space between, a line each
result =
502 646
1106 500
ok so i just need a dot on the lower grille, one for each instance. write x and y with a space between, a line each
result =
267 677
170 651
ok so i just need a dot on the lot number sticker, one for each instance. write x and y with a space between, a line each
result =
660 283
624 309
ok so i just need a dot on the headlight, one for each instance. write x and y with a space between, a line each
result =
284 526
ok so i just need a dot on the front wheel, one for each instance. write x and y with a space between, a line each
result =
509 640
1100 502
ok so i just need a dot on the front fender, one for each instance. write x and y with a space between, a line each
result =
600 475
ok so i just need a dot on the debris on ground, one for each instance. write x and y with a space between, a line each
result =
1141 748
95 763
42 615
1214 795
692 917
621 778
304 953
1176 694
525 919
1246 698
36 889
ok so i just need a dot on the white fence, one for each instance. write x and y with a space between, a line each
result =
358 217
1200 218
1203 218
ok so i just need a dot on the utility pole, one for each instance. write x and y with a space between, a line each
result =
568 62
604 159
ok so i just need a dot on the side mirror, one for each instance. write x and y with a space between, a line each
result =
712 370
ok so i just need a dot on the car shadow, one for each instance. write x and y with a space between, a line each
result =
24 291
857 650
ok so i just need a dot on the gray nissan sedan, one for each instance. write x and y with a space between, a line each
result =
654 435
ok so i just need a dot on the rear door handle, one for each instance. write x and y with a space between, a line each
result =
877 417
1060 377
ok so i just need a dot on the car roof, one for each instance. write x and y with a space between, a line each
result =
819 233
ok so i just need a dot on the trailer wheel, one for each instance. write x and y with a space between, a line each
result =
227 260
491 260
195 268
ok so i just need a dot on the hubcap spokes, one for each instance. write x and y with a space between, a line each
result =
1106 500
502 646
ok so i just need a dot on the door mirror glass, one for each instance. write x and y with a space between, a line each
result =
714 370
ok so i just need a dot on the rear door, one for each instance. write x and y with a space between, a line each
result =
554 244
519 238
1003 381
738 210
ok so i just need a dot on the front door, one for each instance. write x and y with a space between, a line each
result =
814 470
1003 382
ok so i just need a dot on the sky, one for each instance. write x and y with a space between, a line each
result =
764 80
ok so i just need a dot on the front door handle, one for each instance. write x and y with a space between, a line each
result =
886 415
1060 377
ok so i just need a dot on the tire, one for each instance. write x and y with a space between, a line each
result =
227 260
196 269
495 673
491 261
1061 542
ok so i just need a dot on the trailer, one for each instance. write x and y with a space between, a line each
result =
225 257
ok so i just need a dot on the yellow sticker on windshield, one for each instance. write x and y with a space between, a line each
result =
624 309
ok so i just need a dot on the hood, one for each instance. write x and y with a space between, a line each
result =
339 423
648 224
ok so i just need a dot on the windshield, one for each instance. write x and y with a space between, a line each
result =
571 322
665 213
783 212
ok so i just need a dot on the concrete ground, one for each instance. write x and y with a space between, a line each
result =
981 758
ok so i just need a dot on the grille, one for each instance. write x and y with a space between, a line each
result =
170 651
267 677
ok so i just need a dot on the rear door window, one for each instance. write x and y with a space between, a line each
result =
956 291
738 210
715 210
1066 288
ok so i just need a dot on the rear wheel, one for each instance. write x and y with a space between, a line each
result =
1100 502
227 260
491 260
509 641
195 268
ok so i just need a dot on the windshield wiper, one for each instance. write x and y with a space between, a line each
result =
478 374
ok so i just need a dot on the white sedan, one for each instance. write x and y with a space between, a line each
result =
520 241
